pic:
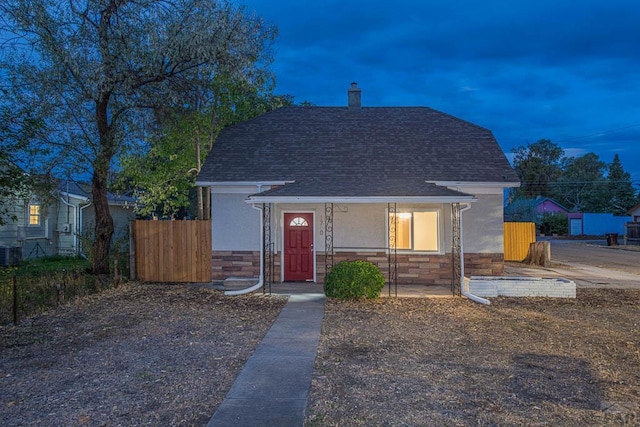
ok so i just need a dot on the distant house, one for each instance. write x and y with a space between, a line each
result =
56 224
75 217
634 212
300 188
548 205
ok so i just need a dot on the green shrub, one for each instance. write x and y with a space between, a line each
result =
354 279
553 223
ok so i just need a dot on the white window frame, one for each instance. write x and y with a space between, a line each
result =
39 215
440 239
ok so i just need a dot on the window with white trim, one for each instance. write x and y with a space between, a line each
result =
416 230
34 215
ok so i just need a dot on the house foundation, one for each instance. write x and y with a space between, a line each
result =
412 269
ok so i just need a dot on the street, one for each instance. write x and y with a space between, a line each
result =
596 254
591 264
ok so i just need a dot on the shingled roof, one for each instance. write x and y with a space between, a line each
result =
342 151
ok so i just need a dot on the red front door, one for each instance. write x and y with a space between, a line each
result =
298 247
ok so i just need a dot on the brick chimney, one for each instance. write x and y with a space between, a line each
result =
354 95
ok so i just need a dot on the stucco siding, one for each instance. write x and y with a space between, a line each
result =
357 229
235 223
354 225
482 225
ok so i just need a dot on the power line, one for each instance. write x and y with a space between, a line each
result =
598 133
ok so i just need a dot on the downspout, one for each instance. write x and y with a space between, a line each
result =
261 278
464 285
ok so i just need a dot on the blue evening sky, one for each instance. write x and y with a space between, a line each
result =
564 70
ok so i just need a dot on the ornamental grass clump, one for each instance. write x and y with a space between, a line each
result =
353 280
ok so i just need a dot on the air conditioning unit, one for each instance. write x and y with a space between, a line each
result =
10 255
66 228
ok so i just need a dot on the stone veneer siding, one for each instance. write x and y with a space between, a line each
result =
413 269
235 264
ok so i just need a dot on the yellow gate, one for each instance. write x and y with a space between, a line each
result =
517 238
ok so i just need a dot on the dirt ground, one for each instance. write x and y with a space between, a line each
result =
139 355
524 361
168 354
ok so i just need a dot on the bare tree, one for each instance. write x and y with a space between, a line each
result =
97 71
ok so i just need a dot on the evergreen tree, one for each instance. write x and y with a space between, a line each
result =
621 192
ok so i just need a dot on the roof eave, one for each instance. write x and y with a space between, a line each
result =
360 199
509 184
239 183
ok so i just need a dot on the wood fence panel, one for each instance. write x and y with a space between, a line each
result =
517 238
172 251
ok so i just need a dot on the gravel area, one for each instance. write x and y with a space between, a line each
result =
136 355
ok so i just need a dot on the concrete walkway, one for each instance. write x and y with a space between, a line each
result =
273 386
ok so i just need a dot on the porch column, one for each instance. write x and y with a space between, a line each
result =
456 250
392 249
328 238
268 249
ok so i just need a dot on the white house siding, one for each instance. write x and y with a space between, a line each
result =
35 241
235 229
359 231
66 240
74 211
482 225
9 231
235 223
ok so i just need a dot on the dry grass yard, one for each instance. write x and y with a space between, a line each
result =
136 355
530 361
167 355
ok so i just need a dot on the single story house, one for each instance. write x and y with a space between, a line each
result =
57 224
548 205
532 209
297 189
75 218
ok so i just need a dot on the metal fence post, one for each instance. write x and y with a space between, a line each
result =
15 299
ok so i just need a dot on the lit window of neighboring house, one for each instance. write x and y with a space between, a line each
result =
34 215
416 231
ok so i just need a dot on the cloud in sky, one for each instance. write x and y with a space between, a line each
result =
562 70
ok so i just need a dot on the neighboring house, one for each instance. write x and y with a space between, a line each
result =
632 228
596 224
75 216
634 212
55 226
530 210
27 230
298 189
548 205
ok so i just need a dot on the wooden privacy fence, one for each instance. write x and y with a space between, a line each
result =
517 238
171 251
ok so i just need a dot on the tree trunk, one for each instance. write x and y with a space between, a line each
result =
539 254
104 222
198 167
207 203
